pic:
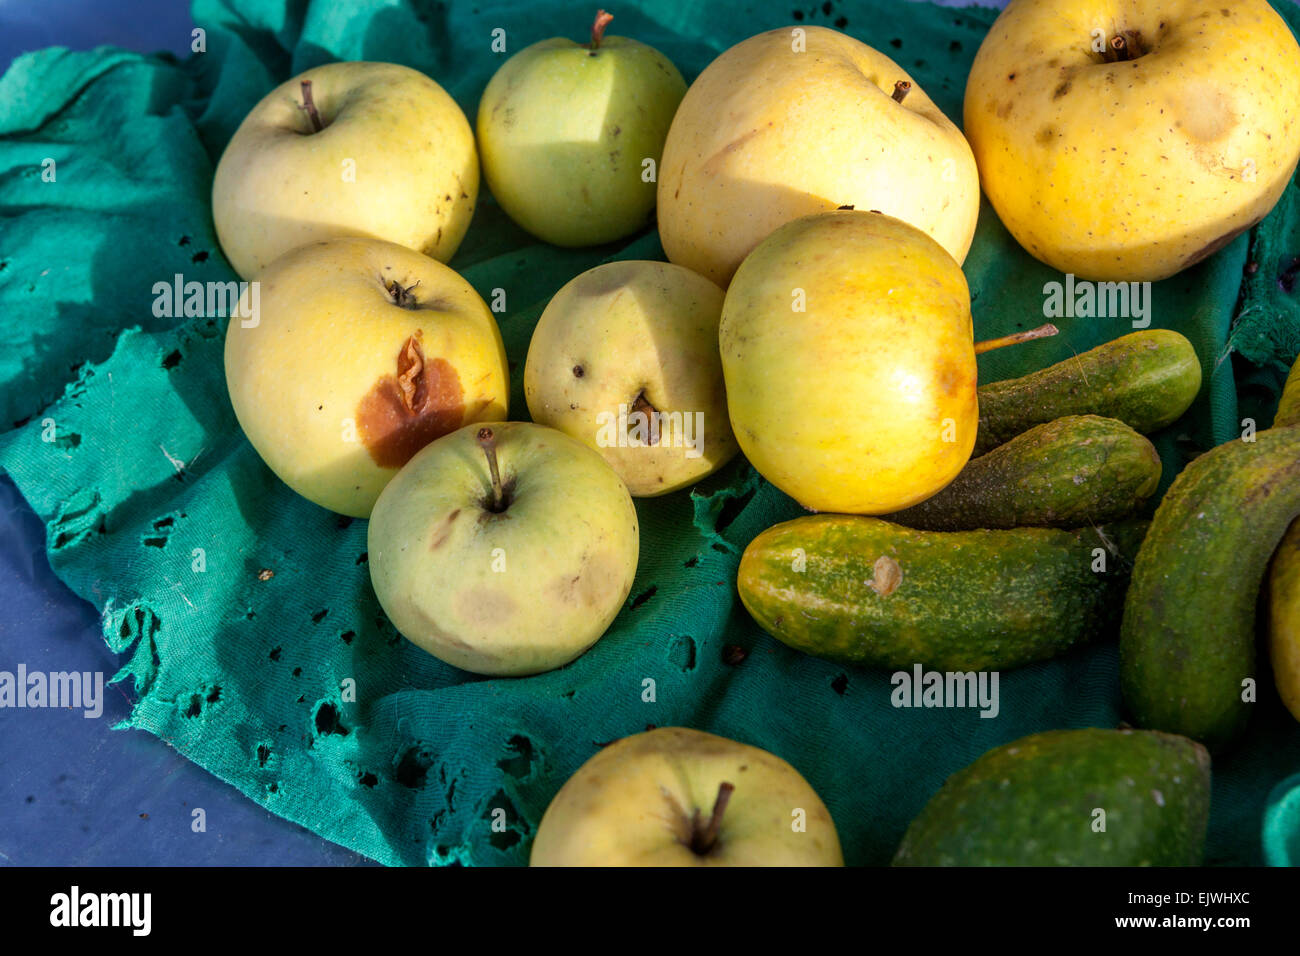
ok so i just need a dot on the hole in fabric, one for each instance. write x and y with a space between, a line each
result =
319 615
692 562
275 653
682 652
342 521
196 706
363 557
200 256
214 695
412 768
644 596
501 809
327 721
263 754
367 779
840 684
519 760
172 359
348 636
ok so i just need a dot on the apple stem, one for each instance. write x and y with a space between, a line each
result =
703 840
901 89
402 296
1042 332
310 106
487 441
598 28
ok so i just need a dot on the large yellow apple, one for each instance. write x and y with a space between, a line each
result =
849 361
681 797
383 152
625 358
1125 140
357 354
802 120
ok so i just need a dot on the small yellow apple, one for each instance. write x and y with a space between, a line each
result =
849 360
382 152
1125 140
357 354
680 797
625 358
803 120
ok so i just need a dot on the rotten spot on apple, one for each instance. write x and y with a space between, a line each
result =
403 412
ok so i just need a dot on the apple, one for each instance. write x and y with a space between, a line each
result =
680 797
358 353
625 358
803 120
504 549
346 149
849 361
1125 141
565 130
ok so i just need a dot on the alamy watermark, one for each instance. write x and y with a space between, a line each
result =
78 690
634 427
192 299
1083 299
922 688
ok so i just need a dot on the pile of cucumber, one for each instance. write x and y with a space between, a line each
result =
1035 549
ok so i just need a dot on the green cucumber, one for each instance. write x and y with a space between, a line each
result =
1088 797
1077 470
866 591
1187 643
1284 578
1146 379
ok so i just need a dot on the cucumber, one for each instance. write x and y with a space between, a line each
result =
1145 379
866 591
1187 642
1077 470
1088 797
1284 579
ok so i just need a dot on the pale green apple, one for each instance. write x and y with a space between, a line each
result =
356 355
505 549
681 797
565 130
1124 140
393 158
625 358
801 120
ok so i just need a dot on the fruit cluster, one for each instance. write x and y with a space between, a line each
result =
815 207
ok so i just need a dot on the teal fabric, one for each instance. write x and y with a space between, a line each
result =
119 432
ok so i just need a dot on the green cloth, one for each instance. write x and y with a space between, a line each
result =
160 513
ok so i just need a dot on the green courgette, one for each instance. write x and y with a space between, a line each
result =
868 591
1075 471
1088 797
1145 379
1187 643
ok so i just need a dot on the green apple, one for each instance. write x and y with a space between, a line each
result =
346 149
681 797
565 130
357 354
505 549
849 360
803 120
1124 140
625 358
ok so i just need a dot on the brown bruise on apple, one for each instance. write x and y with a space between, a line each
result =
403 412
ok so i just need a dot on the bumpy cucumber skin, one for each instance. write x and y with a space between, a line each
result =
1075 471
1145 379
1033 802
1188 636
969 600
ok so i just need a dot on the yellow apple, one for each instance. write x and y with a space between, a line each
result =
393 158
1125 140
681 797
504 549
849 361
802 120
625 358
357 354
